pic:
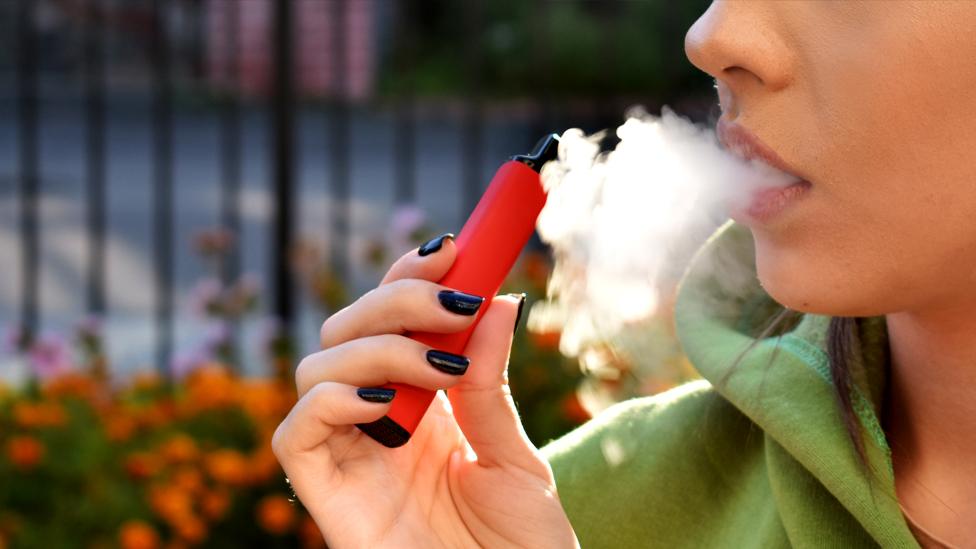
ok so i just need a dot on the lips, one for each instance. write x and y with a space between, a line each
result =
747 146
765 204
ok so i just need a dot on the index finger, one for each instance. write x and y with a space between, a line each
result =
430 261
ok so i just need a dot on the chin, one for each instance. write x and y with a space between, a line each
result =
788 277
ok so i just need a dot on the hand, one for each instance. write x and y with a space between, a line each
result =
470 478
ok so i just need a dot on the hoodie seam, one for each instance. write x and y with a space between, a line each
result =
818 361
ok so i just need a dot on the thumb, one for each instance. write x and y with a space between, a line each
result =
481 401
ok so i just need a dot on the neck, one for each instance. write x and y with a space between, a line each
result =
930 415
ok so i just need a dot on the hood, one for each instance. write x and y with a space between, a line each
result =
783 382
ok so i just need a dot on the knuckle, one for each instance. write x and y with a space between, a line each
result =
302 373
279 445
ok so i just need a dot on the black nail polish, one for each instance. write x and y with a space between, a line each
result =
460 302
376 394
518 316
433 244
448 363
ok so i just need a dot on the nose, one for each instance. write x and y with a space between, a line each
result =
738 44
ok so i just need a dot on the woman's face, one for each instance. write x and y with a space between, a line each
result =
871 102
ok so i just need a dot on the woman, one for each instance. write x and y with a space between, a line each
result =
850 423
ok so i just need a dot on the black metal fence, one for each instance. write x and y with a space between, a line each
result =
153 60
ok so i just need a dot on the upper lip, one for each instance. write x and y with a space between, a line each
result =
744 144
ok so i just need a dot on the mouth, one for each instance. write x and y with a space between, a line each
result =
742 143
765 204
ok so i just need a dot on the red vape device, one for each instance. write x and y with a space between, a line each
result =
487 247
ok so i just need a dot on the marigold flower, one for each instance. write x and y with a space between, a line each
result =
171 503
39 414
119 427
24 451
214 504
141 465
228 467
190 528
188 479
275 514
136 534
180 448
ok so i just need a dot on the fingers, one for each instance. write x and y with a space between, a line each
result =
438 256
381 359
315 417
482 401
400 306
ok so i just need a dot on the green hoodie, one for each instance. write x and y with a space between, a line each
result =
763 460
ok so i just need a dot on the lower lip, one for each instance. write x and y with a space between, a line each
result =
769 203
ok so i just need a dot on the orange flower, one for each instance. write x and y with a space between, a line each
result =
211 386
71 385
545 340
264 465
24 451
573 409
136 534
170 502
119 427
228 467
309 534
145 380
267 400
537 268
214 504
189 480
180 448
141 465
276 514
190 528
39 414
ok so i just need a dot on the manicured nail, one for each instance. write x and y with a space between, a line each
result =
433 244
376 394
518 316
448 363
460 302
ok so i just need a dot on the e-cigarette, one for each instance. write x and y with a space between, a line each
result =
487 247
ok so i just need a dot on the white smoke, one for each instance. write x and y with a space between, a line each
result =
623 224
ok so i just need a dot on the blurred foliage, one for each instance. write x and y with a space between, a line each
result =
146 464
554 48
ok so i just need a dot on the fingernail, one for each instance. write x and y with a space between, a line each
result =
433 244
448 363
460 302
376 394
518 316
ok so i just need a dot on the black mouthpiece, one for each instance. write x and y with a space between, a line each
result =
545 150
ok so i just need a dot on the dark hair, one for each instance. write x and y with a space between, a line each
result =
842 338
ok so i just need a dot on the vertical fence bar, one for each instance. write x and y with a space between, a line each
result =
282 116
162 180
27 84
230 155
473 124
95 103
230 142
338 132
544 116
405 121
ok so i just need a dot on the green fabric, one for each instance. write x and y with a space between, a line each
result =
762 460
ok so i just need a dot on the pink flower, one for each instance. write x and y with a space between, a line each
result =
406 221
49 356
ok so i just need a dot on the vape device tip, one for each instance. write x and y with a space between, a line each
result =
545 149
